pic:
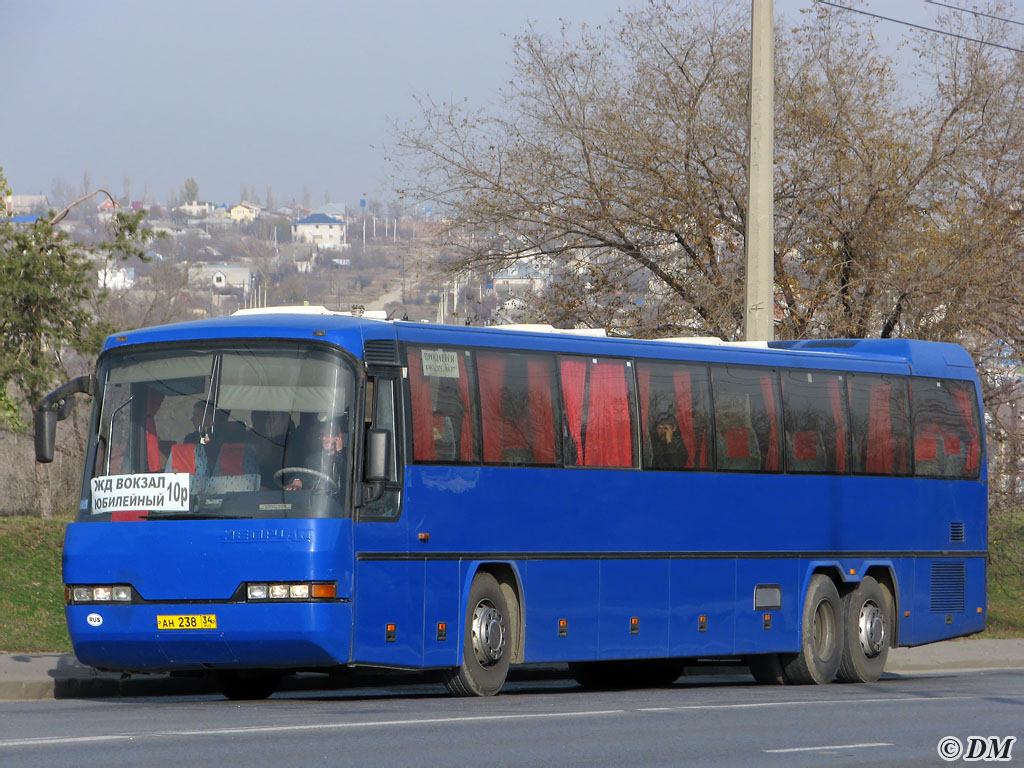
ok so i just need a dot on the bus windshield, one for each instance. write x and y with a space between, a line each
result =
250 430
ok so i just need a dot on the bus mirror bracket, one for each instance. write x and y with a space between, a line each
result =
55 407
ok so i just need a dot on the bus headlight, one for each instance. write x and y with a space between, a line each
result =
301 590
116 593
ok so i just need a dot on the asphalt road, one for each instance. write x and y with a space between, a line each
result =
723 720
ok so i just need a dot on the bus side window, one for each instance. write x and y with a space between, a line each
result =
747 418
814 410
599 405
946 442
674 415
443 408
517 408
879 424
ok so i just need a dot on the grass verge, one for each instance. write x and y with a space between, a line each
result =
32 598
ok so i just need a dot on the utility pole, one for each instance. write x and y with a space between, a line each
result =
759 303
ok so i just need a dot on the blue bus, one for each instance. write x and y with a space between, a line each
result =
299 489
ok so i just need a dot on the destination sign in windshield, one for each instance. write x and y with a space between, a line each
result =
166 491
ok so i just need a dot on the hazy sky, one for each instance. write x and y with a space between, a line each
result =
287 94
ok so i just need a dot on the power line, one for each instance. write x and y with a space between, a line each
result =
976 13
920 26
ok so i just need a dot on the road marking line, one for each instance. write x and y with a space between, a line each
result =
61 740
756 705
835 746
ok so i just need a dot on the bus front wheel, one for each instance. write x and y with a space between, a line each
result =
867 628
821 645
486 649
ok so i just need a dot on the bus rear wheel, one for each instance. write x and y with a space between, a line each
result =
486 649
867 626
247 685
821 644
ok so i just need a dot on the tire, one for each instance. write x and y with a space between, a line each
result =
486 641
246 685
867 628
767 669
821 644
639 673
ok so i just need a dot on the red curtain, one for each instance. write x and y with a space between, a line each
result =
466 441
574 379
926 445
772 457
538 374
880 454
491 373
963 402
153 402
838 417
609 428
684 417
422 411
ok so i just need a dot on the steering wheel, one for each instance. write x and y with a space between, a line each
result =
332 485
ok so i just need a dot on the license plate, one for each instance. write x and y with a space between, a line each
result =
197 621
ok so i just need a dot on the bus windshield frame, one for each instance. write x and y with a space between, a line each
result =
224 430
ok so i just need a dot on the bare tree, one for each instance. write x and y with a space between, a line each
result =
622 151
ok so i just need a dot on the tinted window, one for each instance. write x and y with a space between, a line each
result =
675 408
747 419
517 413
598 398
442 410
879 425
814 407
946 438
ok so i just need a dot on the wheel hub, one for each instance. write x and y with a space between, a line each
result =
488 634
871 629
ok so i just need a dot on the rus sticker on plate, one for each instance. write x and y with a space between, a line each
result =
167 491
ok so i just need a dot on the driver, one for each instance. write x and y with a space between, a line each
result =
328 460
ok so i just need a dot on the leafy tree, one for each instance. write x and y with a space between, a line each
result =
46 284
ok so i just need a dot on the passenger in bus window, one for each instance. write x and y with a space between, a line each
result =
327 463
667 448
202 419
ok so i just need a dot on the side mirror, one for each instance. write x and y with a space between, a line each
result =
55 407
46 435
378 453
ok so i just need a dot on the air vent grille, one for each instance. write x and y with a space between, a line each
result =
948 580
956 533
380 352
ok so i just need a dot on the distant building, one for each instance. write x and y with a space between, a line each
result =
197 208
117 279
105 210
531 274
320 230
21 205
334 210
221 278
244 211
